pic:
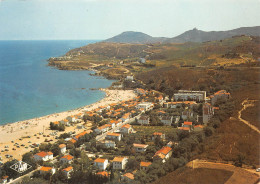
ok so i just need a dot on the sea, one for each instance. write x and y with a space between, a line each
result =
29 88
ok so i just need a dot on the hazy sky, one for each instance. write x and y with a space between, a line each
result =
101 19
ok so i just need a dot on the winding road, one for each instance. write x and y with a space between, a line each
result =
247 103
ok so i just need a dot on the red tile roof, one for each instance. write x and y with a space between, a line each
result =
140 145
118 159
103 173
187 123
44 154
67 157
100 160
46 169
165 150
67 169
129 175
145 164
62 146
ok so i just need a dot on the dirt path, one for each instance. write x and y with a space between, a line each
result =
240 175
247 103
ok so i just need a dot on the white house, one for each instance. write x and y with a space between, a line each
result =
67 159
167 120
113 136
119 163
144 120
4 179
145 105
44 156
62 148
163 154
103 129
130 77
140 147
126 129
107 144
45 170
67 171
101 163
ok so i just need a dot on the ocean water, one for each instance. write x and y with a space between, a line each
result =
29 88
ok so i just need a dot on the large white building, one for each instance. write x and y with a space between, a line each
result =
119 163
146 106
187 95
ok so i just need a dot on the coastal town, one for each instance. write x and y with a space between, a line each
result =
119 141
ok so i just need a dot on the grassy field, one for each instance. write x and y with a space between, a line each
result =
251 114
197 176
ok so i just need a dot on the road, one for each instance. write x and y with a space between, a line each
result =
18 180
247 103
100 137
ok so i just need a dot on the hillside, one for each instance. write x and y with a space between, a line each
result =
135 37
228 52
196 35
193 35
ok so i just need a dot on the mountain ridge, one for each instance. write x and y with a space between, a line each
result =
193 35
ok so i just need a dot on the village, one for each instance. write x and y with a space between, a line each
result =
116 141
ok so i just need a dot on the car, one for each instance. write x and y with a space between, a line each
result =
26 147
14 149
7 156
20 139
12 141
6 149
6 146
18 146
2 150
258 169
22 145
38 137
29 142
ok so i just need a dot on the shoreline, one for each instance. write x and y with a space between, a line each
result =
14 131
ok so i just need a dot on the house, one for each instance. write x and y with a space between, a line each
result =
66 159
140 91
44 156
126 117
145 165
128 177
101 163
188 124
119 163
80 135
107 144
103 128
147 106
103 173
67 171
140 147
222 94
130 77
187 95
113 136
207 113
62 148
167 120
45 170
170 144
144 120
163 154
126 129
184 128
158 135
186 114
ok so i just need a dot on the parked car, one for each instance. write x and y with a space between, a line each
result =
258 169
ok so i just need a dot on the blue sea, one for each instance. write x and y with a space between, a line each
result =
29 88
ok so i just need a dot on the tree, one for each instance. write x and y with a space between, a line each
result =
132 164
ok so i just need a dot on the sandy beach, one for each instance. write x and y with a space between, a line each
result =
11 133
